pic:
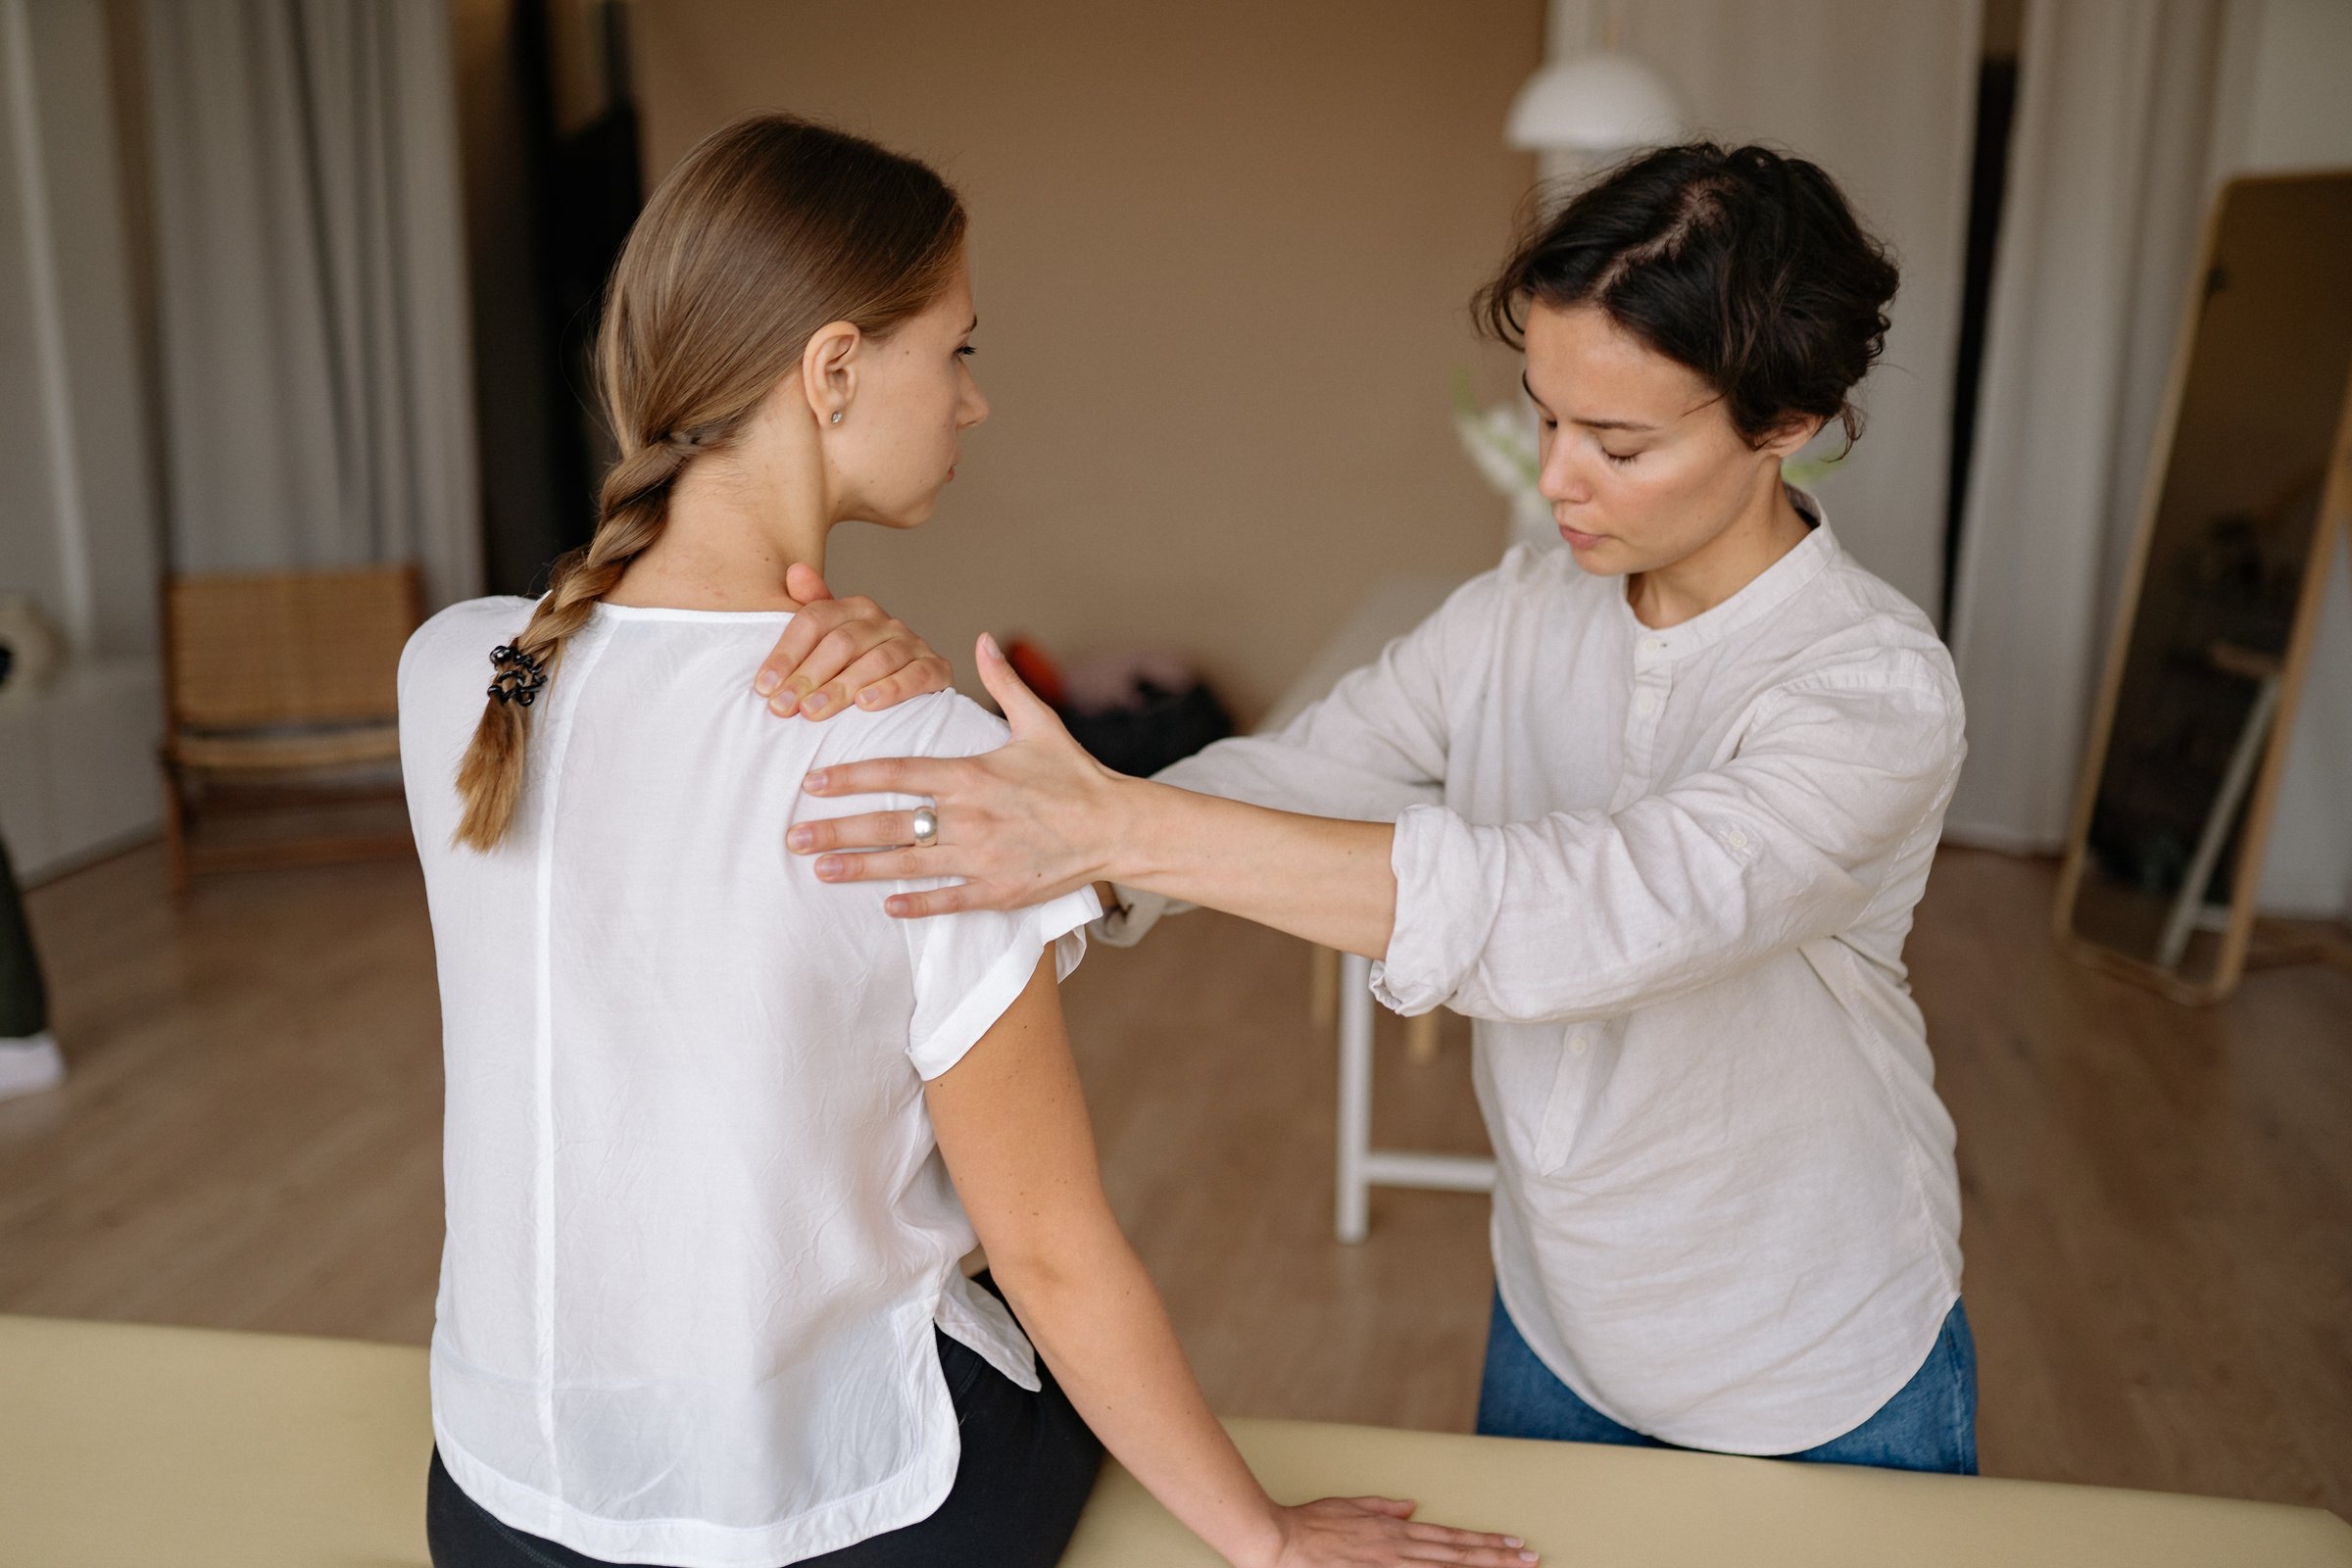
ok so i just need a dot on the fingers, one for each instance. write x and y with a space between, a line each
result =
1441 1544
888 775
818 682
1382 1525
784 677
883 866
888 673
806 583
907 865
1470 1556
927 674
941 900
819 643
1473 1556
1449 1535
913 866
876 830
1394 1507
799 635
1023 708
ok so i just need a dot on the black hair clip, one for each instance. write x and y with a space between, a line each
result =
519 676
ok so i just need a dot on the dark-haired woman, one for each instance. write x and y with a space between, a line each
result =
1654 811
717 1134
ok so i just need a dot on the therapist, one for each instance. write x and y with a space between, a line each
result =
1654 810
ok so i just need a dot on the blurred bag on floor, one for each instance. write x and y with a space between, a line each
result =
1134 712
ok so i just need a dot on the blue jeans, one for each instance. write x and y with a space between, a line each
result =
1931 1423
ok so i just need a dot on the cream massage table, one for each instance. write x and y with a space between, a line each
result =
130 1446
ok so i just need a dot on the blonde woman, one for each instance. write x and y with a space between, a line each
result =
717 1134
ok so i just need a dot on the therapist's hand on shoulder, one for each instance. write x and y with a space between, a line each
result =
843 653
1034 818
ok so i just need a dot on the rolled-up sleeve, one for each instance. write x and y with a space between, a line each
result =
1589 913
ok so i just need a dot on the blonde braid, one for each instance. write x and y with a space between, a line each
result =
635 503
765 232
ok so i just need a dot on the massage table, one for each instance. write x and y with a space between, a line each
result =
126 1445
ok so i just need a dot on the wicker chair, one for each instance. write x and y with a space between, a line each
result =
278 695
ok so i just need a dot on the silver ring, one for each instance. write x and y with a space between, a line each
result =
926 827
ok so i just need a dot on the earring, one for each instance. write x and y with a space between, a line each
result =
836 416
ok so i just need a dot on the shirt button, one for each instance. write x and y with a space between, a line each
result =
1578 1043
1655 645
1646 703
1736 839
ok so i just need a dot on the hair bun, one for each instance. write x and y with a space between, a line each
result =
1743 264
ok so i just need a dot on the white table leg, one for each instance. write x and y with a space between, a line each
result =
1360 1166
1356 1094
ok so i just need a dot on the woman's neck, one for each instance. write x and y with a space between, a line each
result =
726 542
1768 526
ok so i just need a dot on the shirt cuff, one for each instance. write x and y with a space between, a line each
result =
1138 911
1445 902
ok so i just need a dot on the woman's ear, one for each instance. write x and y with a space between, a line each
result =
829 371
1785 439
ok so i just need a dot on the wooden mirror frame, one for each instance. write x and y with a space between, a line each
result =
2327 529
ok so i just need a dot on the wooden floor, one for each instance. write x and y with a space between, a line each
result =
2159 1201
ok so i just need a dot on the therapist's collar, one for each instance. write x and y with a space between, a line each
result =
1770 589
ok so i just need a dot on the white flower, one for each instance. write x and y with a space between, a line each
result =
1500 442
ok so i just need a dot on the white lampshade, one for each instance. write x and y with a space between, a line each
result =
1594 103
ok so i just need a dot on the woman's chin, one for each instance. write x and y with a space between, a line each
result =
913 516
1596 554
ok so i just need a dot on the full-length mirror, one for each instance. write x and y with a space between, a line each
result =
2222 598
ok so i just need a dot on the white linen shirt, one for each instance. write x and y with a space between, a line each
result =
699 1231
1669 873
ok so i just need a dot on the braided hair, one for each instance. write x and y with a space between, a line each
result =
767 231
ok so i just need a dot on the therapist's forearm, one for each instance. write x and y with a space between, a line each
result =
1316 877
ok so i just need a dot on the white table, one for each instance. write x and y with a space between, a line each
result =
1394 606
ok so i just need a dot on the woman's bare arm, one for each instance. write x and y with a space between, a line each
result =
1011 1123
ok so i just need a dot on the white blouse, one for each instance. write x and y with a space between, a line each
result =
699 1231
1669 873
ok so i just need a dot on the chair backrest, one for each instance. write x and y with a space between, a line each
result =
249 651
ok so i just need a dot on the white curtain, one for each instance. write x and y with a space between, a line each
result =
2131 117
1883 97
308 231
2115 153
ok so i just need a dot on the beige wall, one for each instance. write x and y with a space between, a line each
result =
1221 251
